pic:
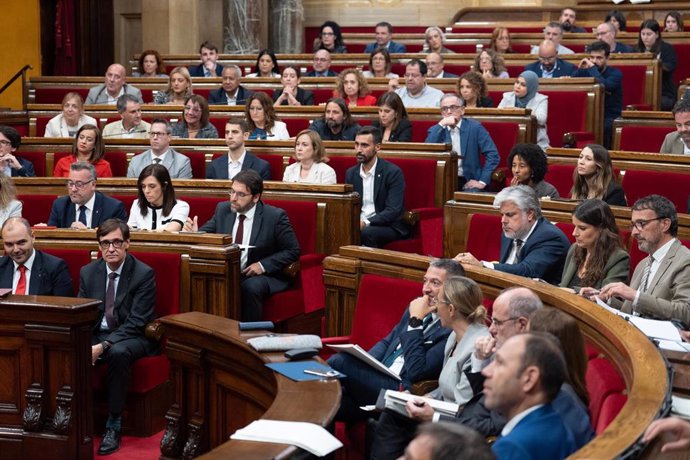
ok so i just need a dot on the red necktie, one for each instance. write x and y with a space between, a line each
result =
21 284
240 230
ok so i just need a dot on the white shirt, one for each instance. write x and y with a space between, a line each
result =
686 149
108 271
368 208
89 210
161 157
658 256
27 274
246 235
512 257
512 423
235 166
178 213
113 100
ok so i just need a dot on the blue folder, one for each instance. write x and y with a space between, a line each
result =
295 370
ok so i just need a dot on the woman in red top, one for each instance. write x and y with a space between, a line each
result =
351 85
87 146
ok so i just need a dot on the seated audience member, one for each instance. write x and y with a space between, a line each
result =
392 120
469 139
447 441
266 65
553 32
179 88
84 207
525 95
28 271
549 65
156 207
459 308
238 157
384 35
351 85
114 87
72 117
310 161
650 41
178 165
209 66
231 91
490 64
414 349
322 65
673 22
500 41
531 246
416 92
660 285
380 65
266 234
330 38
292 94
594 177
434 38
127 288
678 142
618 20
473 90
87 146
150 64
521 383
383 204
262 119
336 124
9 205
675 430
567 21
130 125
606 32
194 123
597 257
529 165
611 80
12 165
435 66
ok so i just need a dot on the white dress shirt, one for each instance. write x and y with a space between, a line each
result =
246 235
116 280
368 178
89 210
27 274
235 167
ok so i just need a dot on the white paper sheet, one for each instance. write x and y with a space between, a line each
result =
308 436
361 354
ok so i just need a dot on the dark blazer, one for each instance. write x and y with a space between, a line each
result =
304 96
135 299
612 81
485 101
329 73
27 169
64 213
218 168
615 195
347 134
401 133
198 70
563 68
219 96
542 255
393 47
389 193
49 275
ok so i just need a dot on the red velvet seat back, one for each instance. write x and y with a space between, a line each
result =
341 165
36 208
302 215
321 95
602 380
561 177
505 136
644 138
484 236
198 163
41 123
38 159
75 259
458 69
219 123
420 181
127 201
295 125
634 79
118 162
167 267
672 185
420 129
683 63
610 408
567 229
203 92
202 207
55 95
561 121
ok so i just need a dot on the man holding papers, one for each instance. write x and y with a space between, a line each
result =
413 349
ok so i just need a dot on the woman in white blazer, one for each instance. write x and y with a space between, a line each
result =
525 95
311 161
72 118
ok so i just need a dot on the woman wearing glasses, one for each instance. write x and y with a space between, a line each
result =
194 123
156 207
330 38
597 257
87 146
594 177
262 120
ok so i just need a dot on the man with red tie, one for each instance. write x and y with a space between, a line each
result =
26 270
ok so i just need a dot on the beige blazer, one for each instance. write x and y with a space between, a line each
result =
672 144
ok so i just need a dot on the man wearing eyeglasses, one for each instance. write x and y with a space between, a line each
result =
322 65
160 152
416 92
128 290
265 236
10 164
549 65
606 32
84 207
660 285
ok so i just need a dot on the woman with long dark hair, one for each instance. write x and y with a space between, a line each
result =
88 146
594 177
393 121
156 207
330 38
650 41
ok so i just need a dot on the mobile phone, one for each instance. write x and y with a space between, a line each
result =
322 372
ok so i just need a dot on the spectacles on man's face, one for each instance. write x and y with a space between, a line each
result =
157 134
450 108
78 184
642 223
500 322
5 143
238 194
105 244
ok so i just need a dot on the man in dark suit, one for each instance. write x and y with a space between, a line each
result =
84 207
209 66
322 65
435 66
413 349
231 92
238 158
47 275
382 187
531 246
384 34
264 234
549 65
11 165
128 290
337 123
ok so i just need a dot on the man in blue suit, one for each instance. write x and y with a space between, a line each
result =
238 158
12 165
47 275
208 67
413 349
231 92
531 246
521 383
384 35
84 207
549 65
469 139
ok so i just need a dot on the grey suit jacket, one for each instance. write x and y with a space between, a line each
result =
673 144
668 293
99 95
616 269
178 165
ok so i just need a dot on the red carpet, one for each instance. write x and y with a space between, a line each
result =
132 448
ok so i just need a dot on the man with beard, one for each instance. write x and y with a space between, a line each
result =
381 185
549 65
679 141
337 123
531 246
567 20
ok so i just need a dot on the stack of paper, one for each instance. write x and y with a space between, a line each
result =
361 354
308 436
396 400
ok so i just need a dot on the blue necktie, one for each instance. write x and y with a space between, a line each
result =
82 214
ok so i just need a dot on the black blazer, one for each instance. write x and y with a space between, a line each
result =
27 169
402 132
329 73
198 70
49 275
63 214
219 96
304 96
218 168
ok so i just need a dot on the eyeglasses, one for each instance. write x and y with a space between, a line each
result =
192 109
548 58
500 322
238 194
78 184
641 224
157 134
5 143
450 108
105 244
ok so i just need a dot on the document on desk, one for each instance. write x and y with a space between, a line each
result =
308 436
361 354
654 328
396 401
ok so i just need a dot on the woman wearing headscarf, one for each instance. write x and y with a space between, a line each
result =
525 96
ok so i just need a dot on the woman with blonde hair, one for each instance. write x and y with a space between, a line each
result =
310 165
72 117
179 88
434 38
87 146
351 85
9 205
594 177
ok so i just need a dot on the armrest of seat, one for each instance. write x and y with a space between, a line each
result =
305 262
638 107
154 331
423 387
326 352
573 138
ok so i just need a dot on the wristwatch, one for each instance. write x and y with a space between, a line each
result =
415 322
